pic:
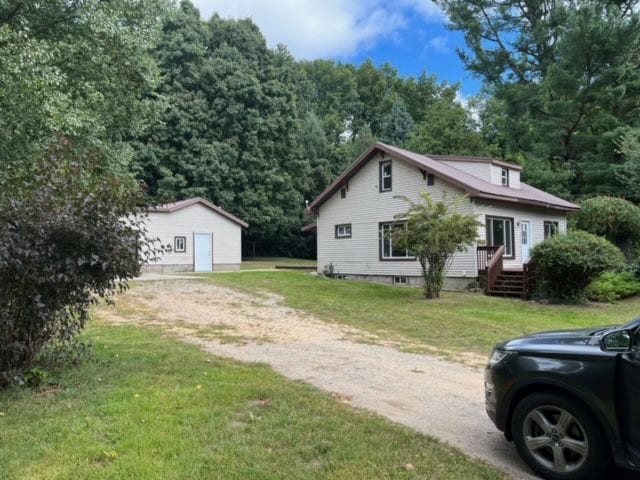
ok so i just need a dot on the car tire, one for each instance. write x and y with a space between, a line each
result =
559 438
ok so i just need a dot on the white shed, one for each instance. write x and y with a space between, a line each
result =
198 236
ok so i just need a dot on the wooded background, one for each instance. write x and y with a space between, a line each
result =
195 107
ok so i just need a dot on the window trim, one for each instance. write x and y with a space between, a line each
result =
381 166
504 177
343 225
513 238
175 244
381 256
550 222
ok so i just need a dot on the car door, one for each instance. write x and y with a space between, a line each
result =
630 393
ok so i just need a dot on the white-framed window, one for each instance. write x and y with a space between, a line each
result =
505 177
343 231
385 176
179 244
551 229
398 280
500 232
388 251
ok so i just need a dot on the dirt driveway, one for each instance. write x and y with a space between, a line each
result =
439 398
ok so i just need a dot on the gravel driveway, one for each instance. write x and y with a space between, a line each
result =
439 398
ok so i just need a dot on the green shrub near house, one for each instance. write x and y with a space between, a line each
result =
616 219
612 286
569 263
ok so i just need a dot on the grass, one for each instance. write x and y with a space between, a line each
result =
269 263
457 322
152 407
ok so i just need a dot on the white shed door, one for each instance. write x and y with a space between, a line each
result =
202 252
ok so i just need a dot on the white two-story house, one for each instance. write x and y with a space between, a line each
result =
360 206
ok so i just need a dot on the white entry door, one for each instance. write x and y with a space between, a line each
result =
525 226
202 252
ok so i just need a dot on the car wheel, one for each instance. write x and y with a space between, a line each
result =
559 438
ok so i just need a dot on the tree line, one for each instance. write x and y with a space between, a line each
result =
195 107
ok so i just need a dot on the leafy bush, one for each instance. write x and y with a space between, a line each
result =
569 263
611 286
614 218
66 241
434 233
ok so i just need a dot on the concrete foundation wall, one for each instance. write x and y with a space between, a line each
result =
450 283
159 268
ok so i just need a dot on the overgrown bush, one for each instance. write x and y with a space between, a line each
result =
614 218
66 241
611 286
569 263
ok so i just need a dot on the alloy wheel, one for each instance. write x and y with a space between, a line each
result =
555 439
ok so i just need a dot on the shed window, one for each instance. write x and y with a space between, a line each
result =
505 177
389 251
550 229
385 176
343 192
500 232
431 179
179 244
343 231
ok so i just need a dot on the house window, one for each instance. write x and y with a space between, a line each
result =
343 231
551 229
431 179
179 244
500 232
385 176
399 280
388 251
343 192
505 177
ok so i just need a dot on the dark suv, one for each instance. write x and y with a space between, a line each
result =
569 400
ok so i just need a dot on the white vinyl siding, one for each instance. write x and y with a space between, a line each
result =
486 171
496 176
227 241
366 207
480 170
537 217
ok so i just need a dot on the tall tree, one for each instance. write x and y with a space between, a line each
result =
448 128
232 131
74 68
566 74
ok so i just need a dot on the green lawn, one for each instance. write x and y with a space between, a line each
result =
154 408
457 322
269 263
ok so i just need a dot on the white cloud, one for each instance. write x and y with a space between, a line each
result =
427 8
327 28
439 44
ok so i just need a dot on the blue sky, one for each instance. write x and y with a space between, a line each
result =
409 34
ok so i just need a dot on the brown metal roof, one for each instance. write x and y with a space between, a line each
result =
473 186
175 206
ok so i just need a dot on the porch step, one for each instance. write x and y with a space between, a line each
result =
510 283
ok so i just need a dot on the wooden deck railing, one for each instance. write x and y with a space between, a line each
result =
530 276
494 268
484 254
